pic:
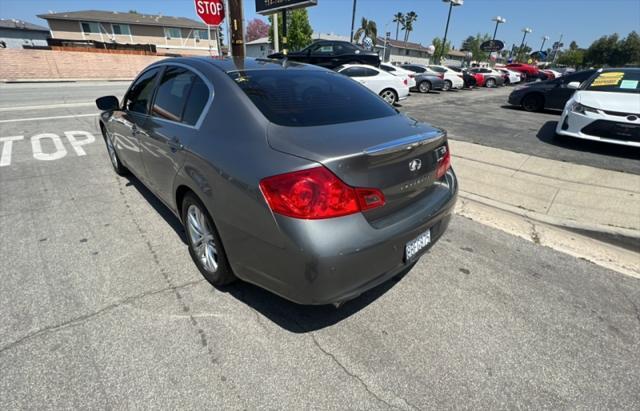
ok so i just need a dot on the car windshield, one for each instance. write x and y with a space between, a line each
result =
617 81
304 98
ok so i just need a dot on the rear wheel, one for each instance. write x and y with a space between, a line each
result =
532 102
205 245
389 96
424 86
490 83
447 85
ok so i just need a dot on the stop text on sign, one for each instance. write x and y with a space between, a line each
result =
210 11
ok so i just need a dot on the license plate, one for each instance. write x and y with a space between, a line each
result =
416 245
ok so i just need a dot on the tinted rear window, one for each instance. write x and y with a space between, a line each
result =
310 98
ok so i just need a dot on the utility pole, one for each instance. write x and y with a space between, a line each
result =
276 43
353 20
555 53
237 31
284 32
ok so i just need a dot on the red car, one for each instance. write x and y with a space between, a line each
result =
528 71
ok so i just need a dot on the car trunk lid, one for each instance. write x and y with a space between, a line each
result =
397 155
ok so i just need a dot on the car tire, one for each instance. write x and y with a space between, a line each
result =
389 95
447 85
507 81
490 83
532 102
209 256
424 86
117 165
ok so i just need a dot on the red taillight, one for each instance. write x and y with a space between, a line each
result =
444 161
317 193
406 82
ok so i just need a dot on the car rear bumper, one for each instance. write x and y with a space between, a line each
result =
334 260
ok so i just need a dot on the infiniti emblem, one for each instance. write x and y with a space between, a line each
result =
632 118
415 165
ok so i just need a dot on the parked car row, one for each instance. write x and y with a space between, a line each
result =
601 105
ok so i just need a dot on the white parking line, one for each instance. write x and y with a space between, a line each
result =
15 120
46 106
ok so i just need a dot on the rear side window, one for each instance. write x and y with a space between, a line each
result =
353 72
198 98
367 72
387 68
172 93
309 98
139 95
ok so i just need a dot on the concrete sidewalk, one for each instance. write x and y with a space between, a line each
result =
549 191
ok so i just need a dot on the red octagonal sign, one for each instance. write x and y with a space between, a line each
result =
210 11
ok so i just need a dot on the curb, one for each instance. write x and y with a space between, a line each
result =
624 237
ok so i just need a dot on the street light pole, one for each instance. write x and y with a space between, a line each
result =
452 3
498 20
353 20
544 40
526 31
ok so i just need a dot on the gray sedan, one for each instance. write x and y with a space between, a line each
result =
426 79
285 175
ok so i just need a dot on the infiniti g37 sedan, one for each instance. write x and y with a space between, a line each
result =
285 175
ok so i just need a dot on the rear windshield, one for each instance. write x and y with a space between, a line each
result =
619 81
310 98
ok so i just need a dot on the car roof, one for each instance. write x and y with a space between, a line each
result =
232 64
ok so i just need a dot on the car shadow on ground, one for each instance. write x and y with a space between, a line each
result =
159 206
518 108
301 319
292 317
547 134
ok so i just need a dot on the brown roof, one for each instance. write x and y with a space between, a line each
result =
401 44
125 18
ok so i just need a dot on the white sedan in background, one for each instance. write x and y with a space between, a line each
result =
400 72
452 79
513 76
604 108
391 88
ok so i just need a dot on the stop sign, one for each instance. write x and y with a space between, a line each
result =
210 11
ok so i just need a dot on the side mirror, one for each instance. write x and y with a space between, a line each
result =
574 85
107 103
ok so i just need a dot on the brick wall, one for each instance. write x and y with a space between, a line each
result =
18 64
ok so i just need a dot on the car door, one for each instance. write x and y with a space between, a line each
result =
374 80
172 123
559 94
322 55
127 124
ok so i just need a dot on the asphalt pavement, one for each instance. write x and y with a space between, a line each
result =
102 307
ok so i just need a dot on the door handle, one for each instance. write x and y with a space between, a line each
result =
175 144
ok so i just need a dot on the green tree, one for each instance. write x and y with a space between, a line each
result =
367 28
299 31
409 19
573 45
398 18
630 49
472 44
572 58
605 51
437 43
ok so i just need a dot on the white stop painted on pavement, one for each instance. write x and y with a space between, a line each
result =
36 145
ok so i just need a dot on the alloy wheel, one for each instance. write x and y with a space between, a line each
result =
425 87
201 237
389 96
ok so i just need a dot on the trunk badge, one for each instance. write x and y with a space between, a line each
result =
415 165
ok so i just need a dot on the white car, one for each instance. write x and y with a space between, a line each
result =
391 88
604 108
513 76
400 72
452 79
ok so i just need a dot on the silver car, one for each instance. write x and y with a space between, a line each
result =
285 175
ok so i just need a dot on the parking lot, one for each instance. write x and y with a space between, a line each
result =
102 306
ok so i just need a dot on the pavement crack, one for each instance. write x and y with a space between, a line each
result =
79 320
535 236
360 380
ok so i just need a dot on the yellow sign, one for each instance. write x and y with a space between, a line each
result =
612 78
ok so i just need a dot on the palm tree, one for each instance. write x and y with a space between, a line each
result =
367 28
398 18
408 25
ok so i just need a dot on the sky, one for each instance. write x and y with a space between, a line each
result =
579 20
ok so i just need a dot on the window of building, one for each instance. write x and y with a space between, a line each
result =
90 27
406 52
121 29
201 35
172 33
